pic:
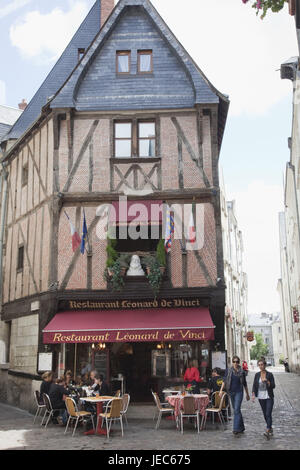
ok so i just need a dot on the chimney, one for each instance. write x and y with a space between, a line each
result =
23 105
107 7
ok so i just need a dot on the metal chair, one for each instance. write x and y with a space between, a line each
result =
189 411
126 401
49 409
216 409
76 415
114 414
161 409
39 403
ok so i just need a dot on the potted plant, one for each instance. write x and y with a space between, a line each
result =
148 262
115 276
112 255
189 389
161 255
124 263
154 275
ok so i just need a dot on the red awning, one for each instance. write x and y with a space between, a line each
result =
193 324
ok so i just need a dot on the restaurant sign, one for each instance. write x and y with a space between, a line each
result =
131 304
120 336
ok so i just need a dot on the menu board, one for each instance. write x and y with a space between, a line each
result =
219 359
44 362
100 363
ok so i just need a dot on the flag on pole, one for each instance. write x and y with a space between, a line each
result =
84 234
76 240
192 229
169 230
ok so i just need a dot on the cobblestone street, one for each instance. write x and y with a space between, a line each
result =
17 430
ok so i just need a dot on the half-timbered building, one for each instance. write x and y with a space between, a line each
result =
124 112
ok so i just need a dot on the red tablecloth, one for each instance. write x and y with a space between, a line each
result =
201 402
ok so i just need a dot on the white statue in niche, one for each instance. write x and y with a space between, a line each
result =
135 268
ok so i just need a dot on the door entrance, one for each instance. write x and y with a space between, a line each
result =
133 360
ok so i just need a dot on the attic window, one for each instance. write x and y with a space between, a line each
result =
123 62
145 61
81 52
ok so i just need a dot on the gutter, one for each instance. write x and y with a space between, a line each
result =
3 184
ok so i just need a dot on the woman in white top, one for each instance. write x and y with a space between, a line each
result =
263 387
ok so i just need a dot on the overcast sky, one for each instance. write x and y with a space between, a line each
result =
240 54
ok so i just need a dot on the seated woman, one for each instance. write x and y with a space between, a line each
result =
47 381
56 395
68 377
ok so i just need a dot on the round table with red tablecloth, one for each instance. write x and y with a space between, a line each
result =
201 402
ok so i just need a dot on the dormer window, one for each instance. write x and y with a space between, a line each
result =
81 52
123 62
145 61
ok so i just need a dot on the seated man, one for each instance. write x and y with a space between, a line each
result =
215 383
101 388
56 395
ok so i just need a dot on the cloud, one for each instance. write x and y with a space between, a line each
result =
2 92
12 6
237 51
45 36
257 209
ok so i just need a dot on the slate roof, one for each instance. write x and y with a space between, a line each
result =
59 73
64 80
4 128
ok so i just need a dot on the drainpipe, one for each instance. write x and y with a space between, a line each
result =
3 184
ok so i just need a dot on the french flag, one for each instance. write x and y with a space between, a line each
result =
76 240
192 229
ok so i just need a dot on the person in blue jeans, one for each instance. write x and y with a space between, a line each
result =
235 382
262 389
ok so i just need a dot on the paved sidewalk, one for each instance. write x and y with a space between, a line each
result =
17 430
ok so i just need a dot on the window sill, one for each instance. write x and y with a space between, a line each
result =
135 75
135 159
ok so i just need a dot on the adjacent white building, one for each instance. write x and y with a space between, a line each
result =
289 220
236 282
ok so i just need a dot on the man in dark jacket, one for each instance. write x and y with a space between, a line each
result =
56 395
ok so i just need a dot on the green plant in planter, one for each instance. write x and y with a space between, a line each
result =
115 277
161 253
154 274
112 254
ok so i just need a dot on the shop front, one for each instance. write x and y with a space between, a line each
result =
135 349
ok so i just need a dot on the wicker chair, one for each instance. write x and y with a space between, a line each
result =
161 409
188 411
219 406
126 401
75 415
112 414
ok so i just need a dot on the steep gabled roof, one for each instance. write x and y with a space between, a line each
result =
205 92
59 73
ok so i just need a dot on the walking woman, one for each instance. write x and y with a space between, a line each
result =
235 383
263 387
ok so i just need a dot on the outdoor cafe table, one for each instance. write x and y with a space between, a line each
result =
201 402
99 403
